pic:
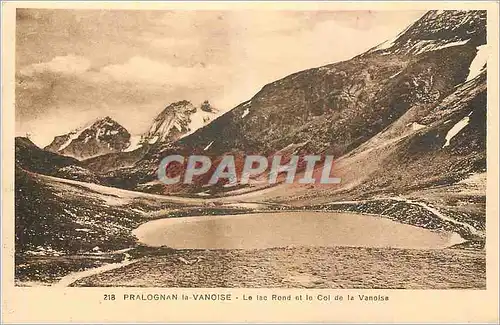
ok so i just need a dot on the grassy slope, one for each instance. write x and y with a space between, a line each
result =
60 222
57 218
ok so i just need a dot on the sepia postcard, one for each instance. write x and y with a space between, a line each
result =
249 162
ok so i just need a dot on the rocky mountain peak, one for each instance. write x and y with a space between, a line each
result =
206 107
438 29
102 136
179 119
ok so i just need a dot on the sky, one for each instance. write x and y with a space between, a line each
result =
74 66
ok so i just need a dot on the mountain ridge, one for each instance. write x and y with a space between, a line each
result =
336 108
101 136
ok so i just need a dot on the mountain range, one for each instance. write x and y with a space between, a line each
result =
106 136
405 122
407 114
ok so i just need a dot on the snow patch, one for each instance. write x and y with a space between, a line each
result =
71 136
477 178
75 276
245 112
455 130
178 127
44 251
208 147
70 213
478 62
153 139
135 143
415 126
427 46
396 74
199 120
458 43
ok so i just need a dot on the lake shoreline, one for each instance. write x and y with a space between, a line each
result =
65 265
282 229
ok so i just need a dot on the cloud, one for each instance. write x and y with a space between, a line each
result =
73 65
69 64
142 69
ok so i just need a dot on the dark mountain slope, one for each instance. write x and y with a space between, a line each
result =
31 158
115 160
375 97
423 157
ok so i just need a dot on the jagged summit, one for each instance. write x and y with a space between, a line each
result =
438 29
178 120
99 137
104 135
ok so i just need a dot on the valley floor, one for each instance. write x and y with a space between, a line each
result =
302 267
58 263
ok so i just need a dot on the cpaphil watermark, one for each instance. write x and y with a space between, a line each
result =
308 169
